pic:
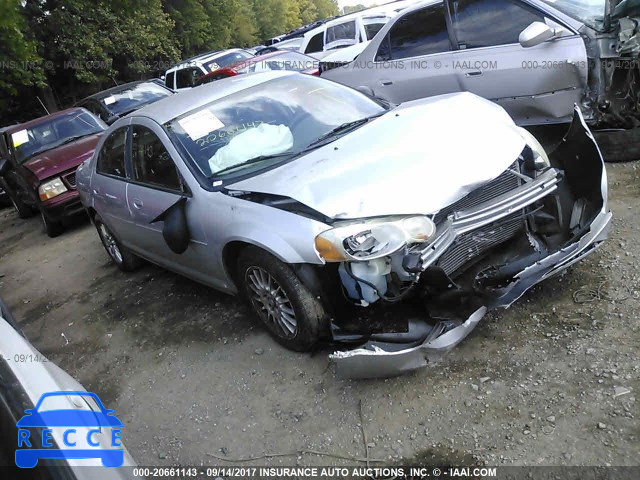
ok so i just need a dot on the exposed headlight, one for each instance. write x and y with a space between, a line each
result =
373 239
51 189
540 157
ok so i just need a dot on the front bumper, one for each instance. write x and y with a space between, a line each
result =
378 359
63 206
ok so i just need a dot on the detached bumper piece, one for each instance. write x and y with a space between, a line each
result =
564 217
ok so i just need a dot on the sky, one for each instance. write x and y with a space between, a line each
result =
366 3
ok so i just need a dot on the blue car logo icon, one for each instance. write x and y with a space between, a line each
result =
90 420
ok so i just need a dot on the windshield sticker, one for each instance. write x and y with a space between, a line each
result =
201 123
204 141
19 138
109 100
213 66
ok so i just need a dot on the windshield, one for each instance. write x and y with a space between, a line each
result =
53 133
226 60
589 12
134 97
275 120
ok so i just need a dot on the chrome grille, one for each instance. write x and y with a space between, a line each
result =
475 243
71 179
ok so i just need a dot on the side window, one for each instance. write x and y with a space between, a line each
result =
372 29
111 157
152 163
168 81
486 23
342 31
316 44
422 32
186 78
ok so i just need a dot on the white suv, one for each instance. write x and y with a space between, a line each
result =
185 74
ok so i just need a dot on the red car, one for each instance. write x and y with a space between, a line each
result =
278 60
39 171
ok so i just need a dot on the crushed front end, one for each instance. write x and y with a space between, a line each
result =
484 251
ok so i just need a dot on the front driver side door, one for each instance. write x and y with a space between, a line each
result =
535 85
155 186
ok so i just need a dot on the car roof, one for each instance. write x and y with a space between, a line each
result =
117 89
171 107
46 118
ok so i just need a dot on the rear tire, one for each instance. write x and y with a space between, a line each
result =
619 146
51 228
121 256
289 311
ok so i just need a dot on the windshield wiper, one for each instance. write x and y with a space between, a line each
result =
341 129
72 139
253 160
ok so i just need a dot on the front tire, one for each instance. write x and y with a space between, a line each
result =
51 228
23 211
289 311
121 256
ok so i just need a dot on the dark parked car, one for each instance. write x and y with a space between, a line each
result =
278 60
119 101
39 171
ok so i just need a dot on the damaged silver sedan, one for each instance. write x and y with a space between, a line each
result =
318 204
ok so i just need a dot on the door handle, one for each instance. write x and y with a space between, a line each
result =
111 197
137 203
386 83
474 73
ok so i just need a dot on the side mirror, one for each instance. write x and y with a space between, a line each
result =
535 34
5 166
175 230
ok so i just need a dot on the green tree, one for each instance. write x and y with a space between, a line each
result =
192 25
326 8
353 8
20 64
245 33
308 11
91 43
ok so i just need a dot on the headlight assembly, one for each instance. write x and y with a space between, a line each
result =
51 189
371 239
540 157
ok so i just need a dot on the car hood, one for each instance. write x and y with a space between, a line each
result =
416 159
63 158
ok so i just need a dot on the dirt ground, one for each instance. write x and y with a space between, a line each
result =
193 376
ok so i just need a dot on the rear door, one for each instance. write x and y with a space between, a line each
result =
155 186
535 85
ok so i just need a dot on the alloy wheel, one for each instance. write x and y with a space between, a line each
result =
110 243
271 302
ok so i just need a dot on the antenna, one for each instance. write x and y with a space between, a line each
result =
45 108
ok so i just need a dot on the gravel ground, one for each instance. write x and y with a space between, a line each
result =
192 376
